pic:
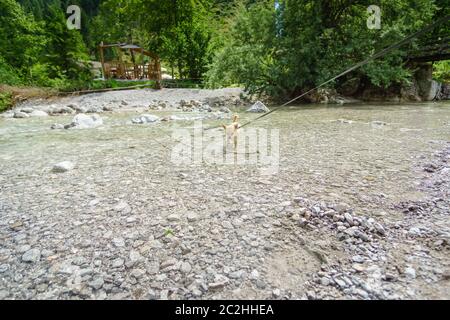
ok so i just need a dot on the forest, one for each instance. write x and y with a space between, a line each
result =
276 48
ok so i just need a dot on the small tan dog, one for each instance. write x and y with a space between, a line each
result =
231 132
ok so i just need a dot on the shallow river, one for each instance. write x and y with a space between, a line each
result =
124 190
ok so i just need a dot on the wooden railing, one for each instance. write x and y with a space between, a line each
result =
130 71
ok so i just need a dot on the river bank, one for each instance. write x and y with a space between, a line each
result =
133 100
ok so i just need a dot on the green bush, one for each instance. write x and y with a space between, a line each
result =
288 50
8 75
6 101
442 71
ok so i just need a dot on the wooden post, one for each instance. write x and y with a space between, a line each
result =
102 59
142 74
135 67
158 74
121 67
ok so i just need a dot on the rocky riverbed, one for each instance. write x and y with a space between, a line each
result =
359 208
185 100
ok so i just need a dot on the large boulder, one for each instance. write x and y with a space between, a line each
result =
258 107
410 92
83 121
145 118
434 91
445 92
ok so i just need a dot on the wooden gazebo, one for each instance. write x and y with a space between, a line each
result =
120 69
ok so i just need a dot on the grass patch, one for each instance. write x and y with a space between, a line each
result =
103 84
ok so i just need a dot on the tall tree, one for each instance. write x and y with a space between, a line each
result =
65 50
21 37
291 49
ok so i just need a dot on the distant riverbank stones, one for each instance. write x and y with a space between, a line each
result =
146 119
258 107
81 121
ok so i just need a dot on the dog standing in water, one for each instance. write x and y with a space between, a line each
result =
231 132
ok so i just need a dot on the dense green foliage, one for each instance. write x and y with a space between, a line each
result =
6 101
275 47
179 31
291 49
40 52
442 71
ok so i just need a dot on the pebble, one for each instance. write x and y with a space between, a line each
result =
324 281
117 263
237 274
410 273
151 295
21 115
219 282
137 273
261 284
119 242
254 274
63 167
191 217
360 292
380 229
340 283
123 207
161 277
38 113
173 217
186 267
227 224
3 294
358 267
135 257
32 255
196 293
168 263
24 248
4 268
276 293
97 283
358 259
348 217
164 295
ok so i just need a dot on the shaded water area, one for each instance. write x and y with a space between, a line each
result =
234 233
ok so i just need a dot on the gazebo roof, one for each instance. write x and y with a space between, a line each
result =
130 46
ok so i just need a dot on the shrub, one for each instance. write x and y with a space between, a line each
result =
6 101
